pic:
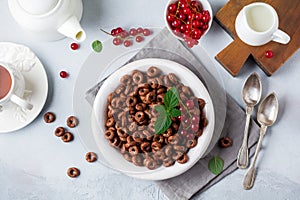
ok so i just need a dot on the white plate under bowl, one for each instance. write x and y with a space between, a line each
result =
113 158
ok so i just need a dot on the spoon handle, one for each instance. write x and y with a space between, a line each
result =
242 157
249 177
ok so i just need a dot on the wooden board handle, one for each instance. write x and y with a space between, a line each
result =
234 56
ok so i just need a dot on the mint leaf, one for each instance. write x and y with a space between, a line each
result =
160 108
215 165
171 98
175 112
97 46
163 121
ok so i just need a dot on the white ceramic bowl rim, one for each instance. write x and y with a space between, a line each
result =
114 158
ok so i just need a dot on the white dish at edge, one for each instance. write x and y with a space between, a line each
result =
13 117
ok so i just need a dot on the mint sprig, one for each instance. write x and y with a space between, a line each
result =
167 110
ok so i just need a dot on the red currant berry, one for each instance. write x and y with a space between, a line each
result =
139 38
177 32
146 32
190 43
181 118
140 30
205 12
176 23
195 127
187 121
74 46
181 16
133 32
190 136
127 43
269 54
113 32
172 8
63 74
117 41
197 6
170 18
124 34
198 16
184 4
204 27
196 34
118 30
189 104
186 11
183 133
191 16
195 119
196 23
182 28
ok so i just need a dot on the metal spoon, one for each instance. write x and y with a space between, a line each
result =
266 116
251 94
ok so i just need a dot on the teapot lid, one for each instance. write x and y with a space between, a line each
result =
36 7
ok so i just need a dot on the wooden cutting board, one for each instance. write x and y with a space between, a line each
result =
233 57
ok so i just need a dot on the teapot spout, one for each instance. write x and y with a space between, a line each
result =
72 29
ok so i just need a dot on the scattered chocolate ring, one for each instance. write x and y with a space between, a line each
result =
49 117
91 156
73 172
225 142
72 122
59 131
67 137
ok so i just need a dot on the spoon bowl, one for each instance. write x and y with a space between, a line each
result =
252 90
268 110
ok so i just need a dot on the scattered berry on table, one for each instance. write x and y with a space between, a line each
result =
269 54
63 74
74 46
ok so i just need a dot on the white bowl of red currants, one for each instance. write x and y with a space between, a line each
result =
188 20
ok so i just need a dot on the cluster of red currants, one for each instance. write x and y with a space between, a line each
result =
124 37
188 20
190 123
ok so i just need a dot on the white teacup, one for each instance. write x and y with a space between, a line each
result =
12 87
257 24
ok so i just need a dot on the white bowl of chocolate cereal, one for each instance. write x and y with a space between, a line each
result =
153 119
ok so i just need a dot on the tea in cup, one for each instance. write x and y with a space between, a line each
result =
12 87
257 24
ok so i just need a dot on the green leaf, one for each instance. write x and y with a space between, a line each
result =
97 46
215 165
171 98
163 121
175 112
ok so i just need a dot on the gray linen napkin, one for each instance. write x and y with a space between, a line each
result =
199 178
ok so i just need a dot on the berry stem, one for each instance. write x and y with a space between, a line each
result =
179 18
104 31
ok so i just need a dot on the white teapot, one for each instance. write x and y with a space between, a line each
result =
49 19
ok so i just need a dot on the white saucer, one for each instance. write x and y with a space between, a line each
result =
13 117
